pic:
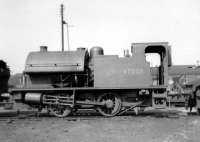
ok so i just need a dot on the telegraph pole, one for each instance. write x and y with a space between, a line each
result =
62 27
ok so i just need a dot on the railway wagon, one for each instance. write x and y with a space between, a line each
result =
65 81
184 83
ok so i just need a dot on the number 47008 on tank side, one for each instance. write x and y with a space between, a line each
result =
62 82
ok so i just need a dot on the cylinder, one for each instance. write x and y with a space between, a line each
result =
33 98
95 51
43 48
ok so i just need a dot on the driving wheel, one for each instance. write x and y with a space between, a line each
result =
111 104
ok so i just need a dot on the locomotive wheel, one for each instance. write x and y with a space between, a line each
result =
112 104
61 111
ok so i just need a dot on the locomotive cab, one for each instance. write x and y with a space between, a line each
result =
159 72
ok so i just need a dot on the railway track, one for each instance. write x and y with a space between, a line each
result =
10 115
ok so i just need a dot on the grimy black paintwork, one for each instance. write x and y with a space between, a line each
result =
62 82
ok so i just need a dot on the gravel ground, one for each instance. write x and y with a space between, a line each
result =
127 128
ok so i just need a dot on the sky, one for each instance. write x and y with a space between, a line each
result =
25 25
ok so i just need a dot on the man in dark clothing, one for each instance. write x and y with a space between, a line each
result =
191 102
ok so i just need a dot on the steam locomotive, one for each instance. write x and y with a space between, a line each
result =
63 82
4 76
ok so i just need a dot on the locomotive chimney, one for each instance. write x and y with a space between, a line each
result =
43 48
